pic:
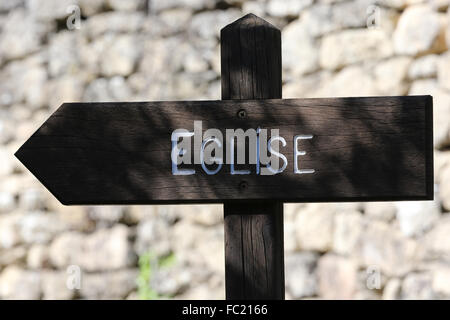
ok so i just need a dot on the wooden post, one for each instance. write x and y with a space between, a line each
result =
254 251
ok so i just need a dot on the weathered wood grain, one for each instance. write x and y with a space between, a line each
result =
254 248
364 149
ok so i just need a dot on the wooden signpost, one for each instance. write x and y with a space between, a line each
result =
336 149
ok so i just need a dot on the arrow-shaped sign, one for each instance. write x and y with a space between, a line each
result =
341 149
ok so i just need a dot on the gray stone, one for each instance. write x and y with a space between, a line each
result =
318 20
348 227
108 285
301 280
109 214
35 89
440 4
17 283
351 81
119 56
419 31
441 282
202 291
9 230
322 19
151 235
108 249
400 4
444 190
392 289
290 241
7 201
113 89
337 276
68 88
441 162
299 50
314 227
33 198
353 46
369 284
391 74
416 217
443 70
105 249
54 286
91 7
38 257
435 241
214 20
175 20
113 22
384 211
156 6
423 67
9 5
417 286
308 85
194 62
39 227
12 256
129 5
256 7
205 215
63 53
6 128
388 249
49 10
283 8
170 282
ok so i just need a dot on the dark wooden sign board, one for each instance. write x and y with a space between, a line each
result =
120 153
362 149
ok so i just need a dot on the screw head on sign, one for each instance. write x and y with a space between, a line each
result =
243 185
241 114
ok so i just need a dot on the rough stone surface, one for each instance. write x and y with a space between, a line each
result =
109 285
443 70
419 31
353 81
142 50
283 8
337 277
390 76
380 210
54 286
392 289
301 280
417 217
445 188
441 282
21 35
17 283
424 67
300 52
105 249
417 286
435 240
347 231
387 248
314 227
353 46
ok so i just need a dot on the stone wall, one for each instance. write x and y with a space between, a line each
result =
169 49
